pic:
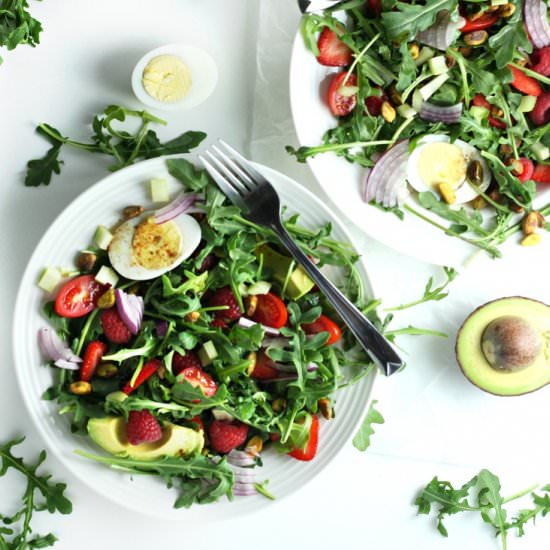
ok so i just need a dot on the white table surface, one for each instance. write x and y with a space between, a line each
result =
436 422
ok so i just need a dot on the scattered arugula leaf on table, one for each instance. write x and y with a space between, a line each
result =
481 494
110 139
361 440
40 494
17 25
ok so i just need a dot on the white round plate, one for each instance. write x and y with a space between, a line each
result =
72 231
341 179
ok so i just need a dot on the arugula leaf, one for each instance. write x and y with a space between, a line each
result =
198 478
361 440
507 42
125 147
193 178
53 495
481 494
17 26
409 19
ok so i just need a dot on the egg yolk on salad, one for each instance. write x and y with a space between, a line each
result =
167 78
442 163
155 246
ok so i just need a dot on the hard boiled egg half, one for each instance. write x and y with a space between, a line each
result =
141 249
435 160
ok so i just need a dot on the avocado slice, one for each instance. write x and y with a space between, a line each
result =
503 347
298 283
110 434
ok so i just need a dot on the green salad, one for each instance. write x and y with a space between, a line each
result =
444 100
186 341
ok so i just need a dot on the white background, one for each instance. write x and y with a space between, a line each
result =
436 422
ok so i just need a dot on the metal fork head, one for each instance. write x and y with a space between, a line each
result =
242 184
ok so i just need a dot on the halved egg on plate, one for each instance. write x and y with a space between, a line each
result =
435 161
142 249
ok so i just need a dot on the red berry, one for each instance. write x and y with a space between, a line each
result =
114 328
180 362
541 173
218 323
142 426
373 104
541 61
332 51
541 113
225 297
226 436
92 356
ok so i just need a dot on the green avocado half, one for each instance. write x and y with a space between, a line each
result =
110 434
503 347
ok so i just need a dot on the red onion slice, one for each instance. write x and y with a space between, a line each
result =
54 348
434 113
240 458
247 323
183 203
386 183
442 33
244 490
68 365
130 308
536 21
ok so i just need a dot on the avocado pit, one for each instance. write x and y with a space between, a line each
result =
510 343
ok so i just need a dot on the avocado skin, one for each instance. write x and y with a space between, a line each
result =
110 434
476 368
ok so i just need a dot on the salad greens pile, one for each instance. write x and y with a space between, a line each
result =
17 25
390 63
40 494
482 494
109 139
277 409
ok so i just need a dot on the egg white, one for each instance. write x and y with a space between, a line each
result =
120 248
464 192
204 76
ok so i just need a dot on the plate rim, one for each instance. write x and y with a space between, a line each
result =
27 279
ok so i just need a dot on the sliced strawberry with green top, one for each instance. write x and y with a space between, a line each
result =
332 51
93 353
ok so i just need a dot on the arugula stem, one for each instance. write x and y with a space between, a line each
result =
66 141
414 331
521 493
85 330
359 56
399 131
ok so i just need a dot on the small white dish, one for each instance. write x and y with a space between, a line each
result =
204 75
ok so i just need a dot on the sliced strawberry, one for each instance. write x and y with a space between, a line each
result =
263 369
226 436
541 113
95 350
341 105
528 169
541 173
332 51
146 372
199 379
309 451
541 61
524 83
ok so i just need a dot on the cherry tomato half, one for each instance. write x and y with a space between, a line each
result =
311 446
270 311
324 324
263 368
341 105
78 296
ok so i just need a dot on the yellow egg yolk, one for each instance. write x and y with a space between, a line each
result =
442 163
156 246
167 78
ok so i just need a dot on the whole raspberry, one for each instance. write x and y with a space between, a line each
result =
114 328
225 297
226 436
142 426
180 362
